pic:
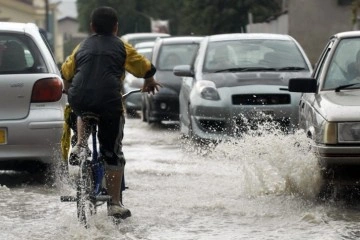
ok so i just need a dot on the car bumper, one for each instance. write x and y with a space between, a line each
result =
338 155
164 107
38 137
226 117
219 122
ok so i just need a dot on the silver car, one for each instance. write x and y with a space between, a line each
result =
329 109
239 80
31 99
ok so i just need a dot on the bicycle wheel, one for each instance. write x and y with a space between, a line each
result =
85 186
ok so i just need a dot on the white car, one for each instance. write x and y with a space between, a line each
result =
135 38
329 109
31 99
238 81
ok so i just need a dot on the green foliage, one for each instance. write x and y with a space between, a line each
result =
201 17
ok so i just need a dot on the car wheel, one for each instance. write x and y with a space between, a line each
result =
328 187
131 113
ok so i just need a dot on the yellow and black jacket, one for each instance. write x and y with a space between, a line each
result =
96 69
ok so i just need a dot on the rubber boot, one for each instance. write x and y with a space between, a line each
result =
113 184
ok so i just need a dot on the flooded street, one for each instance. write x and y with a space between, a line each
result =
262 187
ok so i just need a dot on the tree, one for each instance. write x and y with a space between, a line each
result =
201 17
205 17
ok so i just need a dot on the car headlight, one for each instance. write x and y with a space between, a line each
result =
208 90
330 133
349 132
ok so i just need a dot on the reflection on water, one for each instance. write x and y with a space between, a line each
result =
256 187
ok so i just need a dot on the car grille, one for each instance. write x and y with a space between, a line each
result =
261 99
212 126
243 125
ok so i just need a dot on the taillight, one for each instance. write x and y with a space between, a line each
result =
47 90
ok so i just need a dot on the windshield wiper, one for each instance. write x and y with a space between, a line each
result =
345 86
291 68
246 69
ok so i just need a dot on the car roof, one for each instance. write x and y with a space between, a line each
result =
143 35
180 39
346 34
236 36
18 27
149 44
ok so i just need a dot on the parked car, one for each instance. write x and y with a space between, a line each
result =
167 53
133 101
134 38
329 109
31 99
239 80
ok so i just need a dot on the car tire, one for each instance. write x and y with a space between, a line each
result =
131 113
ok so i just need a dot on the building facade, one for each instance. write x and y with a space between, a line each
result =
310 22
41 12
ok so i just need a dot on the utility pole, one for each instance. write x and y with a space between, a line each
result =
47 15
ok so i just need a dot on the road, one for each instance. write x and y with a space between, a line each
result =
262 187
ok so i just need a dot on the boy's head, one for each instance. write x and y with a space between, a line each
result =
104 20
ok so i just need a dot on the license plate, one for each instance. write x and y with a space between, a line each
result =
2 136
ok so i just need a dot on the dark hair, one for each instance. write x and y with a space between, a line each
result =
103 20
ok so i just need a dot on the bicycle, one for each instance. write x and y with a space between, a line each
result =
90 192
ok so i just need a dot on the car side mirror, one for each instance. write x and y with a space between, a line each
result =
183 71
304 85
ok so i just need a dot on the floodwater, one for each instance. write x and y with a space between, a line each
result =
256 187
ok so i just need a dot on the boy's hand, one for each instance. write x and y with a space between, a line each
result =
151 85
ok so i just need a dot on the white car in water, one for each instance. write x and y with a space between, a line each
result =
238 81
31 99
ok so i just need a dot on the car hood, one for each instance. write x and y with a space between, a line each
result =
233 79
339 106
168 80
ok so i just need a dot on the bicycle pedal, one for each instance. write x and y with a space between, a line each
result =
68 199
101 198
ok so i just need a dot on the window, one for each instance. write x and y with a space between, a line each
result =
19 54
254 53
343 67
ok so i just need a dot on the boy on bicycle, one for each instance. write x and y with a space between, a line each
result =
93 76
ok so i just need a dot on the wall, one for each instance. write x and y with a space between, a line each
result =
313 22
276 25
32 12
310 22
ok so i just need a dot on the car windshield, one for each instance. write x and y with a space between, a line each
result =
172 55
344 66
254 55
19 54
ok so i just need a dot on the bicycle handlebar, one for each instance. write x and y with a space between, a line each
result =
131 92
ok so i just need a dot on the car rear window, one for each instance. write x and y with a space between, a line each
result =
19 55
